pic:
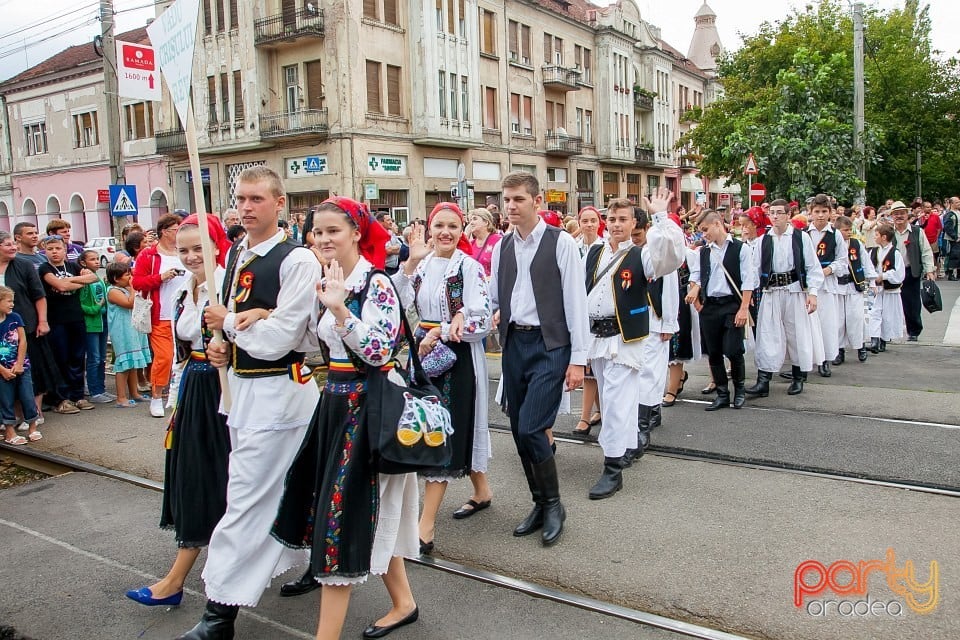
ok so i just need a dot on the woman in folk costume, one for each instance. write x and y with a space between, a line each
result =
685 343
354 520
198 441
450 292
886 318
591 233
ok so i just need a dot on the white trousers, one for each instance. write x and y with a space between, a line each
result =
786 330
886 317
653 375
243 557
619 387
852 320
829 312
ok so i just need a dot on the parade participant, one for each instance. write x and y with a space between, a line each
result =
791 278
537 287
915 250
685 342
886 317
951 235
353 520
198 441
591 233
722 282
270 405
850 299
618 304
449 290
756 222
831 250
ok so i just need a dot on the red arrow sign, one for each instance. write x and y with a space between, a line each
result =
757 192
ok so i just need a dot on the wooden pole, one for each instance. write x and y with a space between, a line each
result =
209 263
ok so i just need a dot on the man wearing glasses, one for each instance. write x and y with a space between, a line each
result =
791 278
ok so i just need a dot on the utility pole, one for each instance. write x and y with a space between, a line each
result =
919 167
858 146
110 90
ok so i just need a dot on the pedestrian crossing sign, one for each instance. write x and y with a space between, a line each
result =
123 200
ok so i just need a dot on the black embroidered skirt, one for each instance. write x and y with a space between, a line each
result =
458 393
681 344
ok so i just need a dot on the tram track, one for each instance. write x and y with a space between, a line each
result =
54 464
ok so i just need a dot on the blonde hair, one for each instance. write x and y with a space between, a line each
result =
6 292
262 173
487 218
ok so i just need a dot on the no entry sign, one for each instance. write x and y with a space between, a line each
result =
757 192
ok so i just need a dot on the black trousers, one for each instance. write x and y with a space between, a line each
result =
721 336
910 297
69 345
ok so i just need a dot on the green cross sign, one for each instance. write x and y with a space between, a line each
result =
295 166
373 163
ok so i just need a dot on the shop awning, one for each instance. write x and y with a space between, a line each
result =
691 183
716 186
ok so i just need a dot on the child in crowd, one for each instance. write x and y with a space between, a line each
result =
60 227
886 317
93 301
131 349
16 383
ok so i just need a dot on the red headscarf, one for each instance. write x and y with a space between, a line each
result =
216 233
759 218
601 228
463 244
551 218
675 219
373 236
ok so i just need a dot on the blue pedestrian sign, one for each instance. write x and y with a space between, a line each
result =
312 164
123 200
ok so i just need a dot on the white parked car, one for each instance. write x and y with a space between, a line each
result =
105 247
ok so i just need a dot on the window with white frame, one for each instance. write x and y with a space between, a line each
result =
36 138
138 118
85 132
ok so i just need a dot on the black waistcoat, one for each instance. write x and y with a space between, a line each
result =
912 251
888 264
631 293
826 249
766 259
256 285
855 256
547 288
731 261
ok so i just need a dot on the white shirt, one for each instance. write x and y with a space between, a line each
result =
276 402
188 326
841 261
168 288
899 271
523 306
783 259
718 285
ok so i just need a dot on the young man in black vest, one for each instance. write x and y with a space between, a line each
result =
274 279
831 250
625 334
850 300
537 285
912 243
791 278
721 284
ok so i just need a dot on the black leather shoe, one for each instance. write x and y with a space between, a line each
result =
875 345
862 354
762 388
533 522
913 338
799 377
611 480
722 401
883 345
824 370
840 359
373 631
215 624
545 474
305 584
632 455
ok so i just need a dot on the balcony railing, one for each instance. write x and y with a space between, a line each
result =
563 145
556 77
688 162
288 26
293 123
644 155
170 141
643 102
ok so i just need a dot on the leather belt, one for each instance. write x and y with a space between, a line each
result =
524 327
844 279
722 299
604 327
781 279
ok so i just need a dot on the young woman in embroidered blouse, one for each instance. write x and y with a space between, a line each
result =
450 291
354 521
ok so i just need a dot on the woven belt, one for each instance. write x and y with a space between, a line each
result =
199 356
781 279
346 366
604 327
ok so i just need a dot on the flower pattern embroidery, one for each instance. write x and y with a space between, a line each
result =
332 536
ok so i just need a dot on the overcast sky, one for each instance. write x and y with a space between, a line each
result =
23 23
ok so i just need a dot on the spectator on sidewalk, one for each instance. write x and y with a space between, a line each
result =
131 349
27 237
93 301
60 227
15 383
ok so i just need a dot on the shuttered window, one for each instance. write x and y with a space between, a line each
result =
513 41
221 14
453 96
527 115
525 44
238 113
514 113
234 15
547 48
224 98
442 80
390 12
490 107
373 87
464 99
488 27
207 18
393 90
370 9
314 84
549 114
211 100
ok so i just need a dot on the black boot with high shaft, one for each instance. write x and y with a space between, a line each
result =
611 480
215 624
545 474
762 388
534 520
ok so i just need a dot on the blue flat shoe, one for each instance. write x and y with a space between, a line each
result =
144 596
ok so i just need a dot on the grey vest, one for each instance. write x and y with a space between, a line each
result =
547 288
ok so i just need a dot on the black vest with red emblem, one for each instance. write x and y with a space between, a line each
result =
888 264
631 298
826 249
855 256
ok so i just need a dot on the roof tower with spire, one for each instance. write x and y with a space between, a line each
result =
705 46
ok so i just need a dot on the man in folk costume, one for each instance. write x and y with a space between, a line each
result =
272 278
831 250
722 282
791 278
537 278
912 243
886 317
850 300
619 300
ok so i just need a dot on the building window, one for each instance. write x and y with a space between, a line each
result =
36 136
224 99
314 84
207 17
585 179
139 120
393 90
464 99
490 108
526 116
556 174
238 113
85 132
488 31
391 14
451 18
519 41
514 113
221 14
291 77
211 101
579 122
234 15
552 50
370 9
556 117
453 96
443 94
374 104
582 62
588 127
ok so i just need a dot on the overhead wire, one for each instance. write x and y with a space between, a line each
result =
45 22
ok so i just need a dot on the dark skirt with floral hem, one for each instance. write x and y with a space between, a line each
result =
458 393
681 344
331 494
198 451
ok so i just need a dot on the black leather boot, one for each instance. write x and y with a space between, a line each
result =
840 359
545 473
762 388
797 385
215 624
534 520
862 354
883 345
611 480
738 371
719 373
824 370
875 345
644 426
656 417
305 584
630 456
